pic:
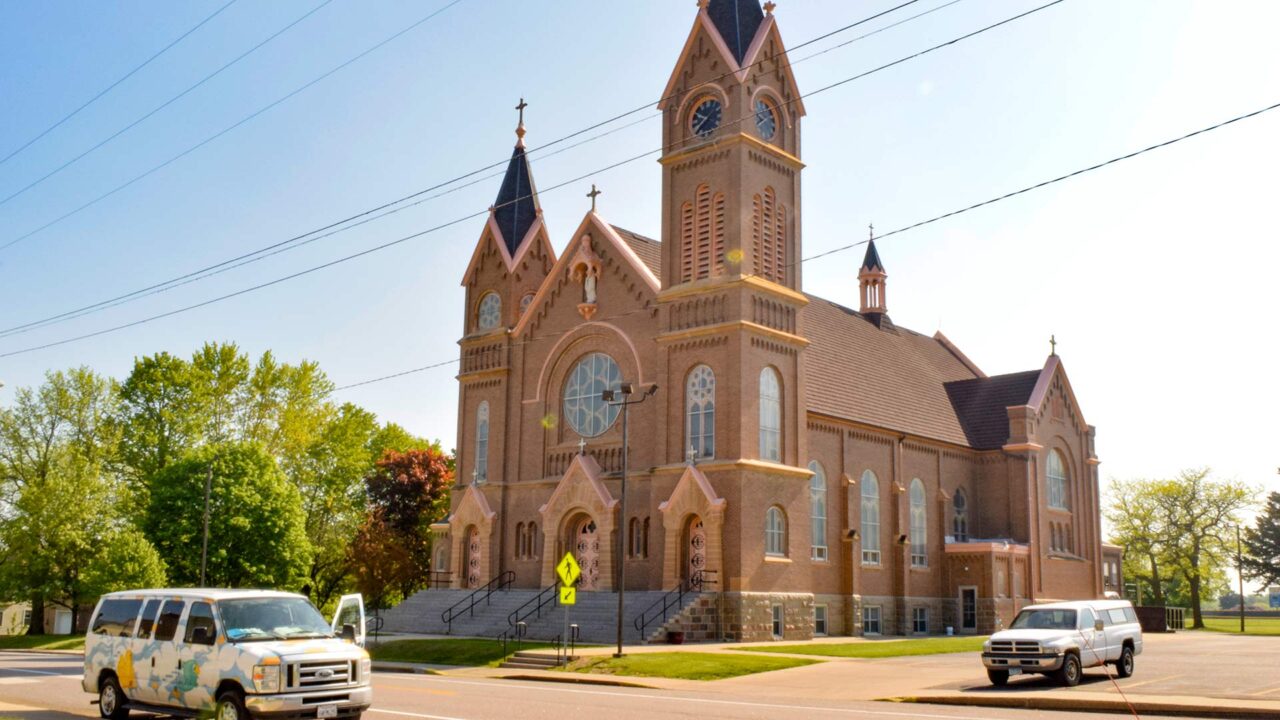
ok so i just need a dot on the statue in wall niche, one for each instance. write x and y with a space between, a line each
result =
586 270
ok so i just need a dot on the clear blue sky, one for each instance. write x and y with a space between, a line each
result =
1156 275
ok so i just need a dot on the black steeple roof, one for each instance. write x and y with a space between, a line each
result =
872 260
737 21
516 206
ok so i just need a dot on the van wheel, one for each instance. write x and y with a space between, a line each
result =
112 704
1068 675
1124 666
999 678
231 707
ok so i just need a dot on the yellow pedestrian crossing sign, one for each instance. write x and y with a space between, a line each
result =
568 595
568 570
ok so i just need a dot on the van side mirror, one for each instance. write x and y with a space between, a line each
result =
1097 625
202 636
348 632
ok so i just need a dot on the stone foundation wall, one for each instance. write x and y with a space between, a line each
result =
700 621
748 617
896 613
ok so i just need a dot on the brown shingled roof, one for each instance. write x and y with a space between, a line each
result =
647 249
902 380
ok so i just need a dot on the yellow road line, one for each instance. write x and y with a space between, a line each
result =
1128 686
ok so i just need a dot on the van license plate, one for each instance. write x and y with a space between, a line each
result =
1012 671
327 711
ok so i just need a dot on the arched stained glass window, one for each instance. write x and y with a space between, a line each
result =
919 526
960 521
586 412
700 407
482 442
775 532
1056 470
770 415
818 510
870 518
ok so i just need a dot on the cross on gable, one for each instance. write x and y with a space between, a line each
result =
595 193
582 446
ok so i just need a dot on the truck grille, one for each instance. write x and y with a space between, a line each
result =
1016 647
322 674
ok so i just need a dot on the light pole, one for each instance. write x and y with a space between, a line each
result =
620 397
1240 573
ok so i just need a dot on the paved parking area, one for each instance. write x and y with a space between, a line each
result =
1202 664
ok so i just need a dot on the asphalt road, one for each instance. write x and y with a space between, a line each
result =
47 687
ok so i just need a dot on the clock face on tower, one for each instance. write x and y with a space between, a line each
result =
706 118
766 120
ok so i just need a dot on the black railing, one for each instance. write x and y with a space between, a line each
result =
439 579
699 582
549 595
499 583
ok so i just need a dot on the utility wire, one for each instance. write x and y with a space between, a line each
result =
368 251
113 85
227 129
164 104
459 220
302 240
905 228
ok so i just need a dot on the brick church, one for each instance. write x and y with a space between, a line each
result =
821 469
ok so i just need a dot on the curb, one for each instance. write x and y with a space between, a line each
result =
408 668
579 681
43 651
1143 707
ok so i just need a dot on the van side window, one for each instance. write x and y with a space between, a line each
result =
116 617
1117 616
148 622
200 627
167 625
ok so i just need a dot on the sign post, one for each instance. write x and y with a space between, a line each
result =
569 571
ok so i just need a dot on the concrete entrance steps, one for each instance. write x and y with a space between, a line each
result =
595 615
532 661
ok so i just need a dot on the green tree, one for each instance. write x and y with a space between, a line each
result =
407 493
126 560
57 495
158 417
1262 545
1134 515
257 529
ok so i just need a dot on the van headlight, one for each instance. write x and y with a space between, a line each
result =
266 678
366 669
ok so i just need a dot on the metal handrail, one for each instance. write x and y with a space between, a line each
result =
547 595
696 583
503 581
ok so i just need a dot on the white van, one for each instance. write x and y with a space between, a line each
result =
238 654
1061 639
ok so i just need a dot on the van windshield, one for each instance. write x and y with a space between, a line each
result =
1045 620
253 619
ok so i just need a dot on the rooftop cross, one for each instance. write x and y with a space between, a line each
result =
520 131
582 446
871 231
593 195
1053 345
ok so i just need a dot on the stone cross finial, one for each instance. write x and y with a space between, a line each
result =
871 231
691 456
769 6
595 193
1053 345
520 131
582 446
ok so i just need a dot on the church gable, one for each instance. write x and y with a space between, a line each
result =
1053 399
767 65
599 277
705 58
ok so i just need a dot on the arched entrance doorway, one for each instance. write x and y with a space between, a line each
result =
695 549
585 541
472 565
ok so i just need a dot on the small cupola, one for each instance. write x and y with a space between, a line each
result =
872 280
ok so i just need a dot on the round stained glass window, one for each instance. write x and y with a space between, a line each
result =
586 412
490 313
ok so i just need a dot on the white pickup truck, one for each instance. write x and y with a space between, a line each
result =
1061 639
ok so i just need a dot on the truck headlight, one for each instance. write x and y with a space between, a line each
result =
366 669
266 678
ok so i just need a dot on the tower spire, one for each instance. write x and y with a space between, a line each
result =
737 22
517 205
871 279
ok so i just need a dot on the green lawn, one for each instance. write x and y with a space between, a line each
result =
686 665
1252 626
460 651
879 648
41 642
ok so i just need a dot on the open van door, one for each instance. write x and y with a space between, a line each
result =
350 612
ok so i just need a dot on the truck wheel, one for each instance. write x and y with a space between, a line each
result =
1124 666
999 678
1067 676
231 707
112 704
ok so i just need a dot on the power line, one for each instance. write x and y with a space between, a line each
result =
164 104
229 128
905 228
113 85
300 240
368 251
456 221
